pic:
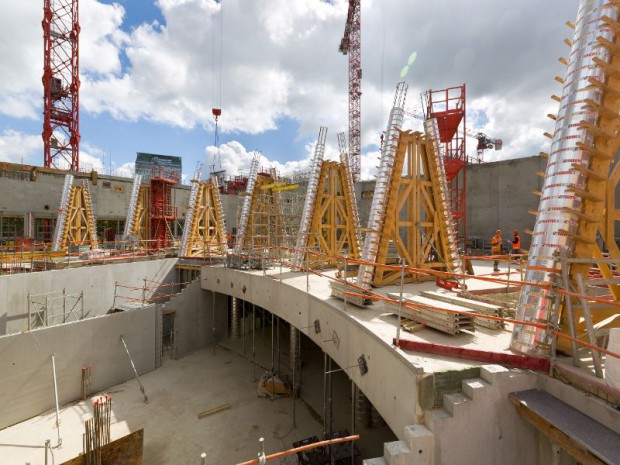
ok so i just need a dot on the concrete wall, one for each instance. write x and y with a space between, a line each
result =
499 196
42 197
193 321
386 367
97 283
26 384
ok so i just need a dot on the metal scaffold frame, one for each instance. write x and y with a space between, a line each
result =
333 231
386 169
162 213
309 204
132 220
76 224
204 232
448 107
242 224
418 228
577 203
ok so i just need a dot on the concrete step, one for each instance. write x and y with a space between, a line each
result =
491 373
454 402
474 388
397 453
421 442
375 461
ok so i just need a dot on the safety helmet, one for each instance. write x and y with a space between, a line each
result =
499 231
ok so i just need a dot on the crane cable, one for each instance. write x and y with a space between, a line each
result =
216 109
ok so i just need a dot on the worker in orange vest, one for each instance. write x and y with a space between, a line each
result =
496 248
516 243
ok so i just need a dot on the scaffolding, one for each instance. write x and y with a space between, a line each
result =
379 199
418 229
162 213
330 220
246 206
76 225
132 220
447 107
311 194
204 232
268 219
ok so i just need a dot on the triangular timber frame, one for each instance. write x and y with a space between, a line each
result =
264 229
415 229
80 226
207 236
141 226
333 231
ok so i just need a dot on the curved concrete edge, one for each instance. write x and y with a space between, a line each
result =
391 383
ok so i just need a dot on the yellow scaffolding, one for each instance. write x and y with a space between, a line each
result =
417 227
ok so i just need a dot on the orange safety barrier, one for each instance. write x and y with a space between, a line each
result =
371 295
296 450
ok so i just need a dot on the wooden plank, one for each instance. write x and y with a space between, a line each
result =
583 438
124 451
213 411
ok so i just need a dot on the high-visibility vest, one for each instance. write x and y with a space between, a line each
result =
516 243
496 244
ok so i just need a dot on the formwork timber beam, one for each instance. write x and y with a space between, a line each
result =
333 231
79 228
264 229
206 235
417 227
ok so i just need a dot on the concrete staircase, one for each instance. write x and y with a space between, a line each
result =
474 426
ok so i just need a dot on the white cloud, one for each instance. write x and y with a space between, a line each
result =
280 59
17 147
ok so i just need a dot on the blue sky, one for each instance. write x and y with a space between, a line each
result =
148 69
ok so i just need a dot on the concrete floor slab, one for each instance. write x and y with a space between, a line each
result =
177 392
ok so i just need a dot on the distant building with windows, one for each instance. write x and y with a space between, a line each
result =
148 164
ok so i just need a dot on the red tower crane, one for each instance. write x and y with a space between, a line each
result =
351 44
61 84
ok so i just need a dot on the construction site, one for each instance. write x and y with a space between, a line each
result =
320 318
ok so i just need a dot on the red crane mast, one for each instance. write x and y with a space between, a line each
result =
61 84
351 44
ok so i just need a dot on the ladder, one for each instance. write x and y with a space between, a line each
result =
133 206
90 215
247 204
344 160
62 213
379 200
440 186
313 181
189 215
221 224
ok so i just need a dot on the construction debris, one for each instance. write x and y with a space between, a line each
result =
213 411
273 386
